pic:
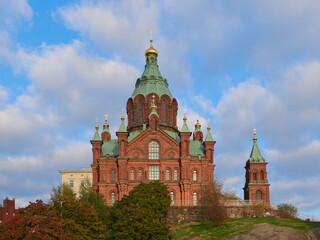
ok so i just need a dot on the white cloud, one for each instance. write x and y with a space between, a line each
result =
4 95
14 9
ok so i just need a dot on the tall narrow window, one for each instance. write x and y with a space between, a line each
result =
168 175
112 176
258 195
132 114
195 199
71 183
140 111
194 175
81 182
153 150
164 111
254 176
172 198
132 175
175 175
113 198
262 175
140 175
153 172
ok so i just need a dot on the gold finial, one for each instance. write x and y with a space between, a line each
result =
97 126
254 133
105 125
151 50
122 117
208 128
153 106
197 124
184 114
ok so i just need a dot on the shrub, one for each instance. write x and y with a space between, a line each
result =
286 210
141 214
258 209
212 204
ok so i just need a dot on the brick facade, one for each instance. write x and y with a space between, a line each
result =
7 211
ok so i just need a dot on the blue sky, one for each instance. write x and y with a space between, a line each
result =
240 64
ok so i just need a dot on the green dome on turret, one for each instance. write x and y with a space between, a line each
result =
151 80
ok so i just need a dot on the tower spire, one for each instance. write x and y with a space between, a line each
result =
151 51
96 136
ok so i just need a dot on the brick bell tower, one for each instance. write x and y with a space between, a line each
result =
256 188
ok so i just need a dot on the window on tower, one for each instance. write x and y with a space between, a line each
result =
140 111
112 176
262 175
254 176
153 150
258 195
164 111
195 175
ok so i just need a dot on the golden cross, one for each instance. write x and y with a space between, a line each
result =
97 120
150 31
105 116
254 131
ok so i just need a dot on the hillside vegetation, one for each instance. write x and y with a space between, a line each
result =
236 226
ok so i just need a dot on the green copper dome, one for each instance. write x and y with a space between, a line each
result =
255 156
151 80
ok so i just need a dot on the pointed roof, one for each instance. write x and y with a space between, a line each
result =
209 137
122 127
185 127
197 126
151 80
255 156
106 125
96 136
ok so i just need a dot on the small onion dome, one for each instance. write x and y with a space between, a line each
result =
197 124
105 125
208 128
151 51
255 135
97 126
184 117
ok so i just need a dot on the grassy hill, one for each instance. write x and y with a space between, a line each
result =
236 226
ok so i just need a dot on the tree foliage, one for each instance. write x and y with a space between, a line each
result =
141 214
80 218
286 210
212 204
36 221
61 190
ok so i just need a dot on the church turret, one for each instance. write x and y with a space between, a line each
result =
197 134
256 188
209 145
105 135
122 135
96 143
185 137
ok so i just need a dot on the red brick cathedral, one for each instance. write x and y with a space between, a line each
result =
151 147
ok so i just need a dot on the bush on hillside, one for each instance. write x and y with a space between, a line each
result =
286 210
212 204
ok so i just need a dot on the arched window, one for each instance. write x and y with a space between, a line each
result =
194 175
112 176
140 175
261 175
132 114
153 150
140 111
172 198
113 198
175 175
254 176
168 175
195 199
258 195
164 111
132 175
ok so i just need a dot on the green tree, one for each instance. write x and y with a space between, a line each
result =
86 194
141 214
36 221
80 218
61 190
